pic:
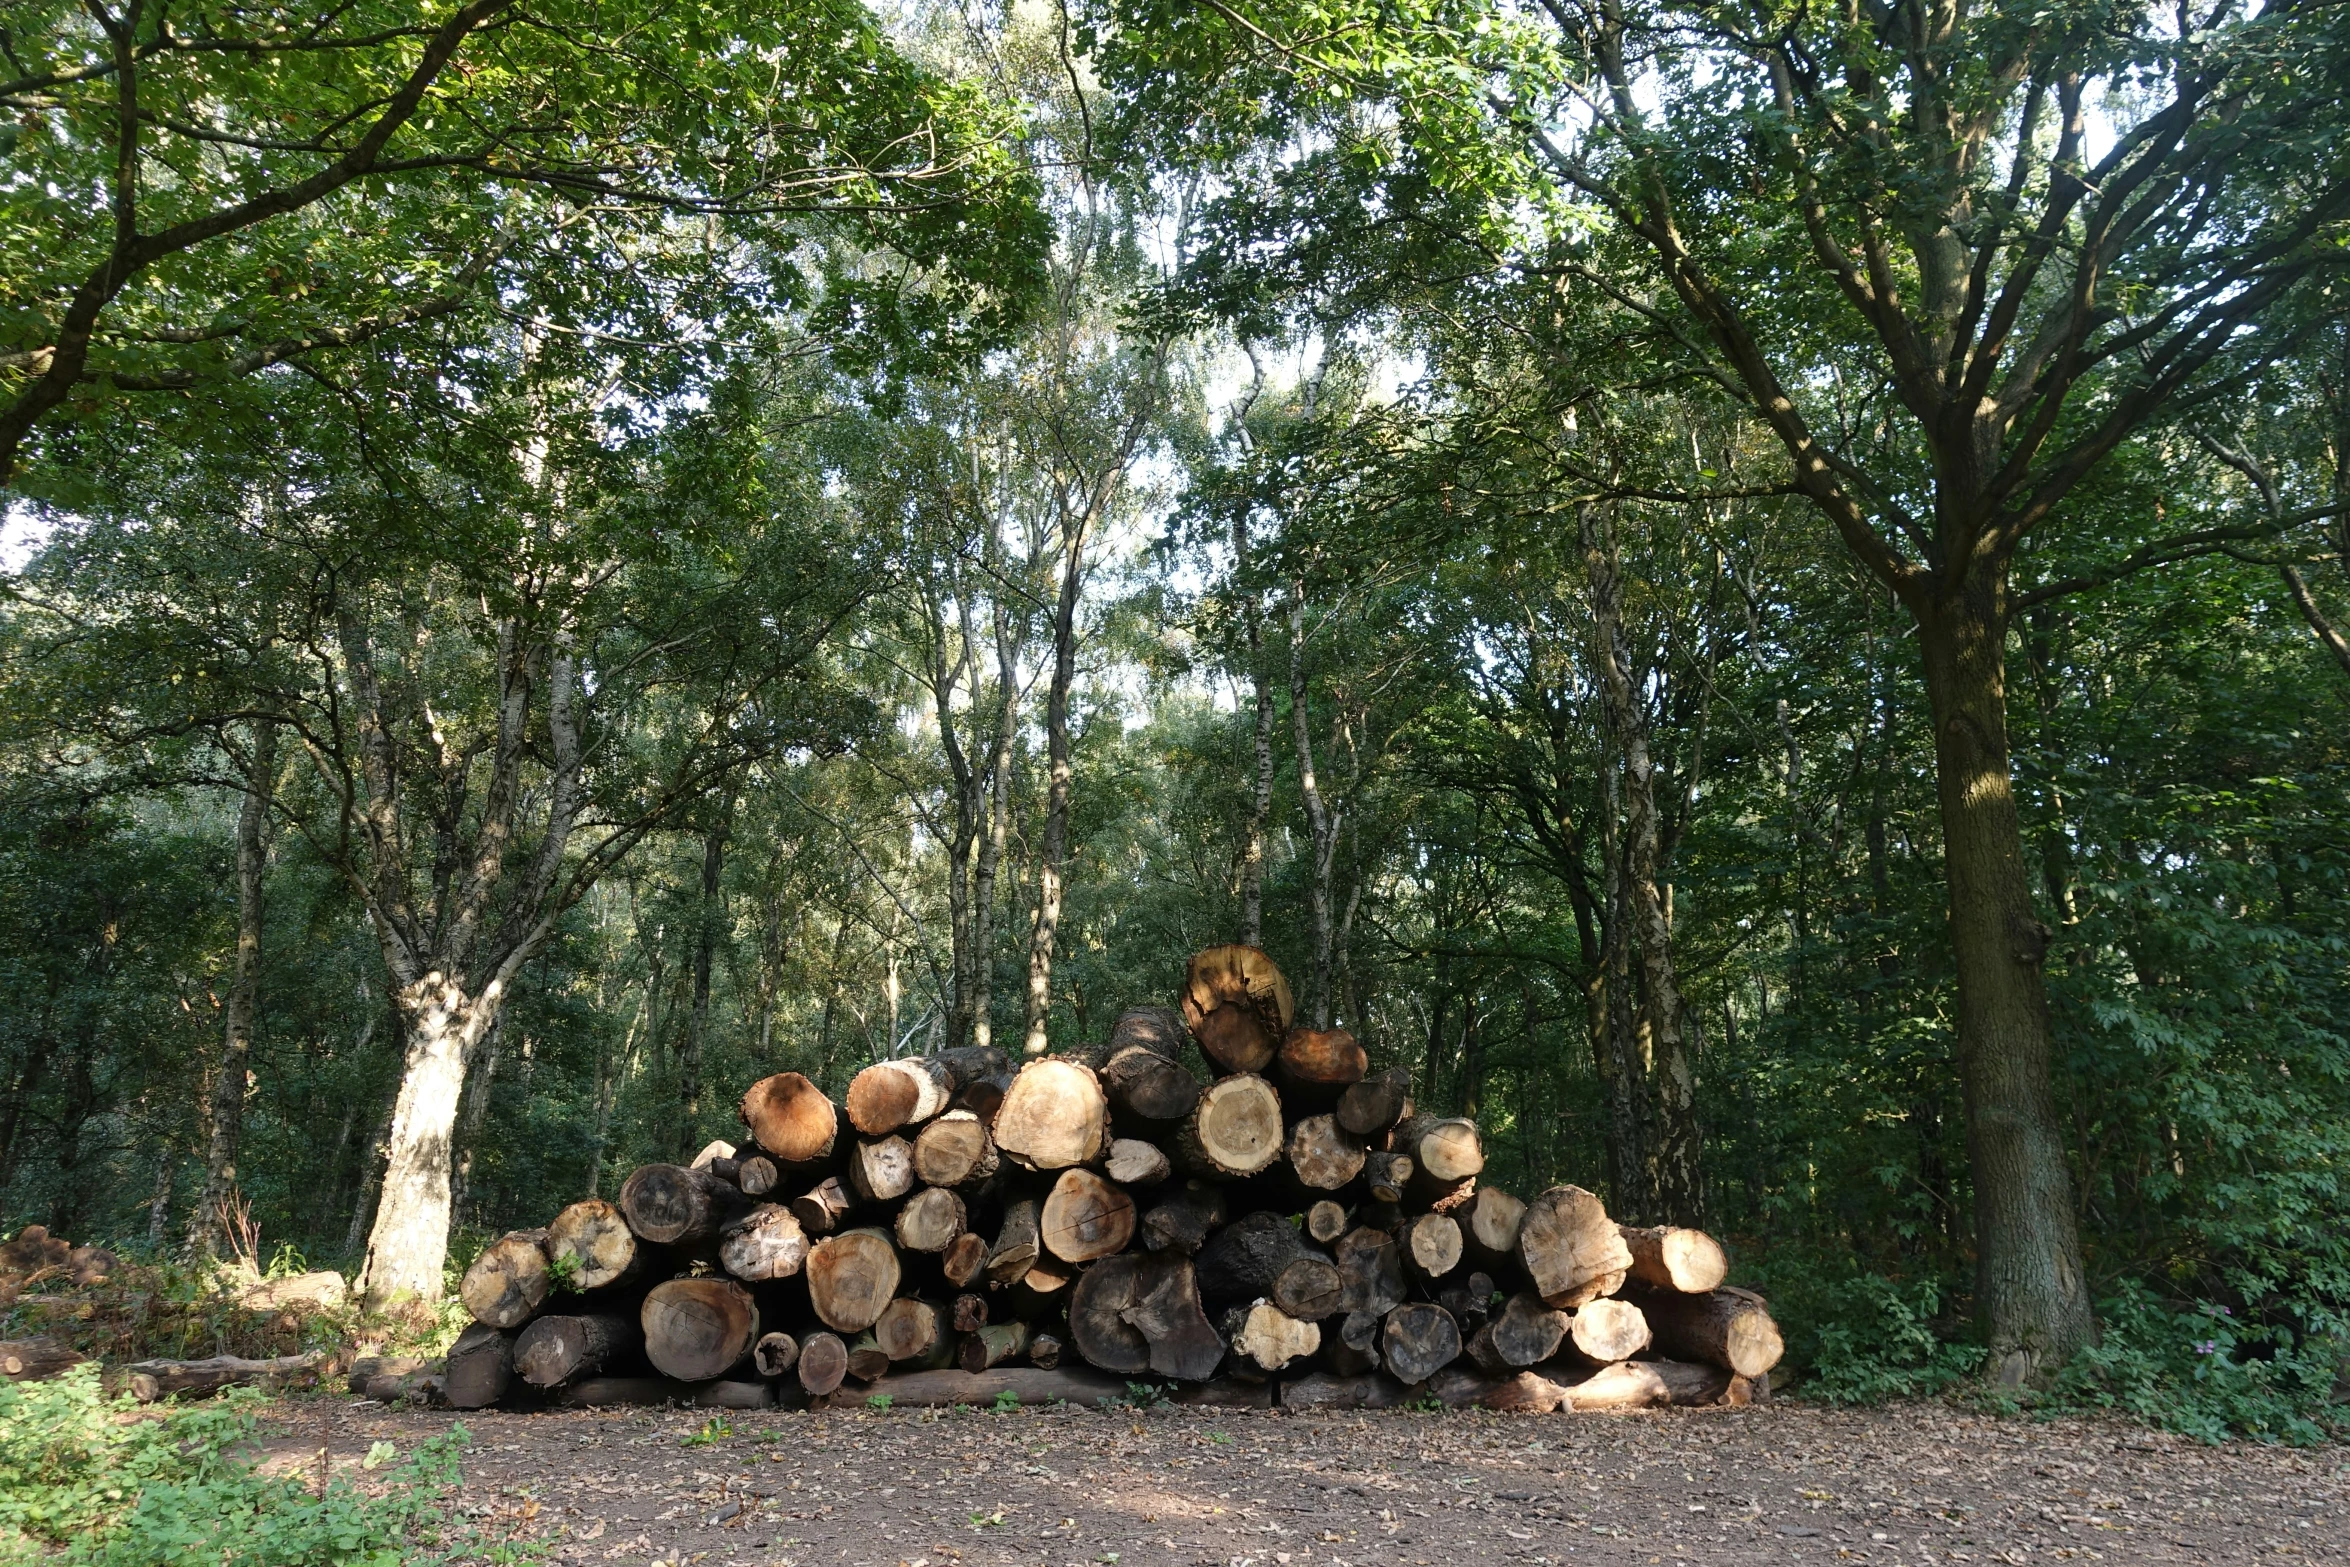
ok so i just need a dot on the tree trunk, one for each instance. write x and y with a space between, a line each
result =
225 1115
1054 851
999 827
1319 820
710 918
410 1241
2028 1279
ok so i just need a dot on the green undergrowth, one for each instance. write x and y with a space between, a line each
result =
2196 1368
89 1479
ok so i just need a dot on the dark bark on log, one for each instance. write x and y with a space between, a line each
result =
993 1345
1148 1088
1028 1384
1371 1267
1160 1030
1242 1261
965 1259
1182 1220
728 1394
36 1359
1017 1246
676 1206
881 1169
149 1380
1376 1103
969 1313
822 1208
363 1370
1388 1175
1044 1351
1321 1390
556 1349
509 1281
479 1368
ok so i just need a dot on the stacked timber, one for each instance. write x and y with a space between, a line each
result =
1290 1228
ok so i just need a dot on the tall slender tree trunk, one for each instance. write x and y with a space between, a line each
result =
1675 1151
473 1113
1319 821
159 1205
371 1170
1054 851
969 784
709 924
224 1116
999 829
2029 1285
1260 803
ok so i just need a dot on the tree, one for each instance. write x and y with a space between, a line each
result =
1886 233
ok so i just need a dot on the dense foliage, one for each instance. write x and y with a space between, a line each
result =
727 633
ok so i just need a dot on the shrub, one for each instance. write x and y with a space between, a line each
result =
2202 1372
89 1480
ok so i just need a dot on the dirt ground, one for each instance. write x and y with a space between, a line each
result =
1784 1483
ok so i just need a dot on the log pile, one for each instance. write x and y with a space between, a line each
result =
1293 1231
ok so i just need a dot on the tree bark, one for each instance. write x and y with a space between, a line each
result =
999 827
1053 852
1320 822
225 1112
710 919
2029 1283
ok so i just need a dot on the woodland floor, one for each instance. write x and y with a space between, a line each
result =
1783 1483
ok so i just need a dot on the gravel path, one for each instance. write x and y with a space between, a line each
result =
1915 1484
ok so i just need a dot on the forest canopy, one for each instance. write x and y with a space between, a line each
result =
1756 595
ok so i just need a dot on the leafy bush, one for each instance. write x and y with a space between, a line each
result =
2204 1373
1885 1340
89 1480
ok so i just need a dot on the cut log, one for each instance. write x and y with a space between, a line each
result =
426 1387
673 1205
1525 1332
868 1361
1054 1117
776 1354
1490 1221
1029 1384
1431 1245
1365 1390
150 1380
1016 1245
36 1359
1147 1087
1516 1393
1238 1006
1324 1154
611 1392
965 1259
1376 1103
557 1349
1160 1030
1181 1220
1133 1162
1273 1338
697 1329
930 1220
1371 1269
713 1151
1242 1261
509 1281
1646 1384
729 1394
763 1245
479 1367
1234 1131
1086 1217
969 1313
1469 1297
954 1150
851 1277
823 1207
1359 1330
910 1329
1326 1221
993 1345
1135 1313
1606 1331
1341 1358
881 1169
791 1119
1387 1175
1316 1065
891 1094
1309 1289
1570 1249
1044 1351
1730 1328
1447 1150
363 1370
1419 1340
1671 1258
1097 1317
757 1175
824 1360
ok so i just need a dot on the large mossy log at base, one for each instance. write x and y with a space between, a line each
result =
1238 1006
509 1280
700 1328
791 1119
